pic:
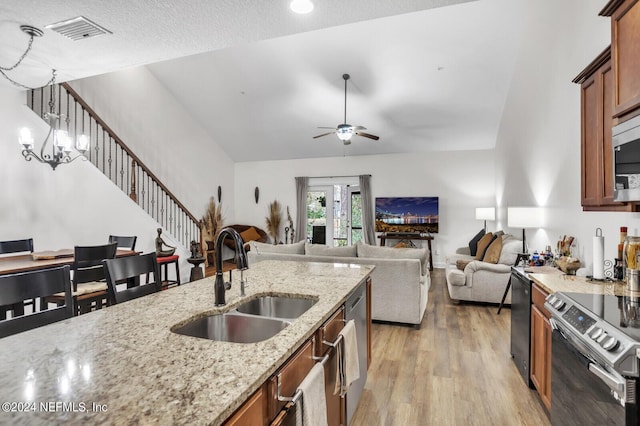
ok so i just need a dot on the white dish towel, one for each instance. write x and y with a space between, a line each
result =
312 407
348 370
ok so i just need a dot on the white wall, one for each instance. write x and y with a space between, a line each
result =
151 122
462 180
73 205
538 146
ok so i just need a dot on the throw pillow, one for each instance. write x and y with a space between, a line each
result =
462 263
492 254
322 250
250 234
473 244
295 248
483 244
376 252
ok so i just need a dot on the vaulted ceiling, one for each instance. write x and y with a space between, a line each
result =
425 74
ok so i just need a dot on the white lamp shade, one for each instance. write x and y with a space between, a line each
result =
525 217
485 213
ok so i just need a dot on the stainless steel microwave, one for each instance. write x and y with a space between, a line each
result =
626 160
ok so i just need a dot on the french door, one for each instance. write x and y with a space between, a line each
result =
334 215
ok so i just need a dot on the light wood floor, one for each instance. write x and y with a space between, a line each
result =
455 370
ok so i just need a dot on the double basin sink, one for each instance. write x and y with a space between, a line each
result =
252 321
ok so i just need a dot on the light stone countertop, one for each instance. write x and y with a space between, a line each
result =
555 282
124 359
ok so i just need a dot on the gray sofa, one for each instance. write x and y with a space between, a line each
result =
481 281
399 283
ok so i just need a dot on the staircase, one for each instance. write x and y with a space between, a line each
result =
116 161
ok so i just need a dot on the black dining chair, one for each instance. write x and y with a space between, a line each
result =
124 242
16 246
89 281
131 268
16 288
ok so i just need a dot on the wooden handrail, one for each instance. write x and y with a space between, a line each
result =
119 141
118 162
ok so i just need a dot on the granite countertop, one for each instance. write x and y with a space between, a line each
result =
123 365
554 282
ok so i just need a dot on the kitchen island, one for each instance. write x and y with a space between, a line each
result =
124 365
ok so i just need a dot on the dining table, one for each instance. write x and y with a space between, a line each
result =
44 259
26 262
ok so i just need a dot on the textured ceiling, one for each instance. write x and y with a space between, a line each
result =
261 80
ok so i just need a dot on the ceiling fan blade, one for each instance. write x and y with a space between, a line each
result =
327 128
367 135
324 134
358 128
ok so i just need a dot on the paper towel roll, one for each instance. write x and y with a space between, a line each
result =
598 256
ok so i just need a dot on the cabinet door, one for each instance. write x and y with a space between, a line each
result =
597 148
625 42
590 142
289 376
329 332
540 368
251 413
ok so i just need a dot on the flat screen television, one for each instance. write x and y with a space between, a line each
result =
407 214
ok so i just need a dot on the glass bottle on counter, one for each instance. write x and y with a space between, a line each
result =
623 235
631 253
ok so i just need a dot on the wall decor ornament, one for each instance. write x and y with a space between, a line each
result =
219 193
256 194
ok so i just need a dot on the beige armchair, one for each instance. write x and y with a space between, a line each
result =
479 281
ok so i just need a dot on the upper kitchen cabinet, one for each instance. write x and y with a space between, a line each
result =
596 88
625 57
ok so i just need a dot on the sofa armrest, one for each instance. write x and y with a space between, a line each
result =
463 250
478 265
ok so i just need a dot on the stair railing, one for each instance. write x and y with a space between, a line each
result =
118 162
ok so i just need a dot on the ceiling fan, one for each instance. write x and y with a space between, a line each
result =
345 131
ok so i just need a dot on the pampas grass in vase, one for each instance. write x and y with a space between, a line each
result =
212 221
273 220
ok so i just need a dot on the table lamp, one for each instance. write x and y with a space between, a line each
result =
524 217
485 213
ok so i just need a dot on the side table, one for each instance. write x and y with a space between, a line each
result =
196 270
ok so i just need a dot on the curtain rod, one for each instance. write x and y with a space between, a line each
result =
325 177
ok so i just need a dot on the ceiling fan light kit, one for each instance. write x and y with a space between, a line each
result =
345 131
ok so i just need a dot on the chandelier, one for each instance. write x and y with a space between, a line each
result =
58 139
61 143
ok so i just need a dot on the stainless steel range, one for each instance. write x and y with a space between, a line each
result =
595 365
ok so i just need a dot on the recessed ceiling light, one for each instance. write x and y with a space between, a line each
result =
301 6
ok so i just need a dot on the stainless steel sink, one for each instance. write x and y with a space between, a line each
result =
233 327
276 306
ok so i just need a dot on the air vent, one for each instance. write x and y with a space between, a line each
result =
78 28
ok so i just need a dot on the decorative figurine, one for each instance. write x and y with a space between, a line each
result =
290 226
160 246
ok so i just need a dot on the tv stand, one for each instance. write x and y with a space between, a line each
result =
408 237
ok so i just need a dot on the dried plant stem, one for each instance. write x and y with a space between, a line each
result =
274 220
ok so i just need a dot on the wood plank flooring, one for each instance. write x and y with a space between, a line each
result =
456 370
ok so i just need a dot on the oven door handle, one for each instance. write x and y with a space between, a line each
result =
612 381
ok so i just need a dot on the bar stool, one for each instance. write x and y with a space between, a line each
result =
163 263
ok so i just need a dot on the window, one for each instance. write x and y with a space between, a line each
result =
334 214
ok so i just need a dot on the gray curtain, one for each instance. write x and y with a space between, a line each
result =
302 183
368 219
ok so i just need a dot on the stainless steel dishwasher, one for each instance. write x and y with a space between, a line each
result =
356 310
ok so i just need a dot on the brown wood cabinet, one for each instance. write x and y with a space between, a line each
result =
263 407
540 367
625 54
336 414
596 88
251 413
